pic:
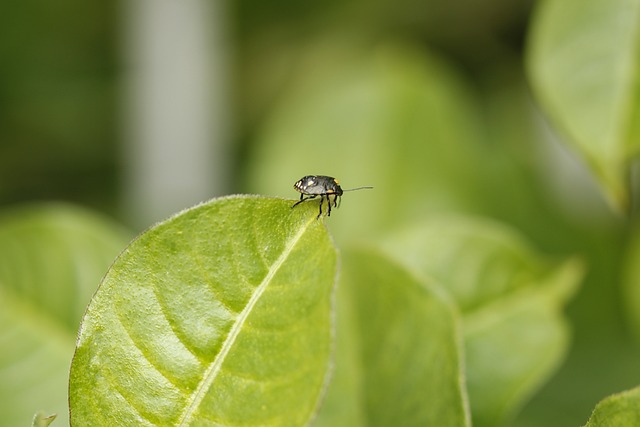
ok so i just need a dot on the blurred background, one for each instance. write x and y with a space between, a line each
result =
137 109
140 108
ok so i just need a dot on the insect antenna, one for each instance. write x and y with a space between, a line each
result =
359 188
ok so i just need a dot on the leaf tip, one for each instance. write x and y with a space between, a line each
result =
42 420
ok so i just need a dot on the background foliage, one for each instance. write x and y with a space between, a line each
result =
523 112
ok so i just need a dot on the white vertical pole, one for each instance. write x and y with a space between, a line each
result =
175 96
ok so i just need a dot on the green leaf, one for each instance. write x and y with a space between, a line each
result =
397 118
583 63
511 299
398 356
41 420
51 259
220 315
621 409
632 280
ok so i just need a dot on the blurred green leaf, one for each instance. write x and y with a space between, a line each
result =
397 118
619 410
51 260
511 299
398 351
632 280
582 61
219 315
41 420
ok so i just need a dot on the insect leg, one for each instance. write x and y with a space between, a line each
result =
321 200
302 199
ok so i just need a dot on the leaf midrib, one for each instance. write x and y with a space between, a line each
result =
216 365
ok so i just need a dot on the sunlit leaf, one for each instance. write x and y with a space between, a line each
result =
51 260
583 64
219 315
511 300
398 351
621 409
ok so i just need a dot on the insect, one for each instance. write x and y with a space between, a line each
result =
312 186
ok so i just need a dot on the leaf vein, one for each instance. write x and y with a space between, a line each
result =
214 368
119 390
115 386
261 252
143 352
172 323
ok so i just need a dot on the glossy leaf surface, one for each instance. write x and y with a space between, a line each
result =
220 315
